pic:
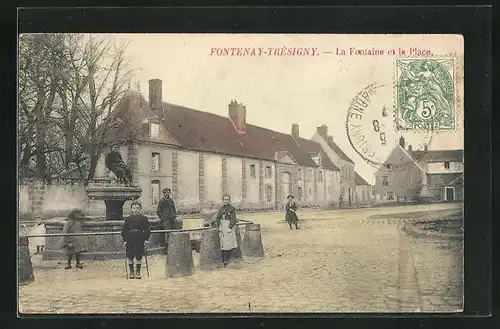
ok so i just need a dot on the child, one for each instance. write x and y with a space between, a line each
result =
39 242
135 233
73 245
291 215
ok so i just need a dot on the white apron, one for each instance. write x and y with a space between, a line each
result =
227 236
38 229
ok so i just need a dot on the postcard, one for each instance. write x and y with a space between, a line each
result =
240 173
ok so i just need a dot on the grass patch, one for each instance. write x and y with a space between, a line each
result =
423 215
441 226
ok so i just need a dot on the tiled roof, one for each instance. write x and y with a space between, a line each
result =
359 180
338 151
202 131
438 155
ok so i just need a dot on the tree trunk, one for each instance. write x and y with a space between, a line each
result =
94 158
41 131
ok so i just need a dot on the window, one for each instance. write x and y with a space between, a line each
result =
385 181
269 172
299 193
252 170
155 161
320 176
390 195
155 192
269 193
388 166
447 165
154 129
299 174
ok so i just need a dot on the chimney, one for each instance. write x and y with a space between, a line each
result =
402 142
237 115
410 148
155 95
322 131
295 131
330 139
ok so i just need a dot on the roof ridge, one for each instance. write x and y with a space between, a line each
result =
248 124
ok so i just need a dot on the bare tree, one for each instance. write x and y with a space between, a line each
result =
69 82
41 62
108 80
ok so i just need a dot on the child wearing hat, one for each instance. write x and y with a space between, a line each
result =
73 245
291 216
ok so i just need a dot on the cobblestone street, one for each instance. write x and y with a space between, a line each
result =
341 261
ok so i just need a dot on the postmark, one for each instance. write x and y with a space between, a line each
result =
424 94
371 132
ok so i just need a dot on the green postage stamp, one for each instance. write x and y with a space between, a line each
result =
425 94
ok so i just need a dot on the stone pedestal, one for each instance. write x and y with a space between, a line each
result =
179 255
24 266
114 209
114 196
252 241
210 254
236 253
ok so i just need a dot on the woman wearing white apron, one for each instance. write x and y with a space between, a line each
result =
226 220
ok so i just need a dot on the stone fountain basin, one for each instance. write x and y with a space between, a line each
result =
124 193
99 247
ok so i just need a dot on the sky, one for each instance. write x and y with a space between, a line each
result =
281 90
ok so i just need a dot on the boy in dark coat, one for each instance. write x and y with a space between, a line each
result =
135 233
291 216
73 245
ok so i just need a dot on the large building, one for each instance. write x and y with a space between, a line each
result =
409 175
202 156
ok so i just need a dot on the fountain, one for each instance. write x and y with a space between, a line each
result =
110 246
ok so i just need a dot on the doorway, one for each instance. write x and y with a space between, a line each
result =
449 194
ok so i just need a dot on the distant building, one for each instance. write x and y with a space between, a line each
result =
427 174
363 190
347 188
201 156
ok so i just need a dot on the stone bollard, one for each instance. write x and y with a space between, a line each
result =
179 256
252 241
210 254
24 266
236 253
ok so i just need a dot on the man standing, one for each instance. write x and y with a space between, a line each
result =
167 214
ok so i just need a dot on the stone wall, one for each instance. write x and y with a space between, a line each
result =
40 200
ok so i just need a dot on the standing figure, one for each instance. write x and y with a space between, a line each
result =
226 221
135 233
114 162
168 215
73 245
291 217
38 242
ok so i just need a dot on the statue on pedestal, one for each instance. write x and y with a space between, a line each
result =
115 163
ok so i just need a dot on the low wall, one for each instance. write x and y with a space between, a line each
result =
45 201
